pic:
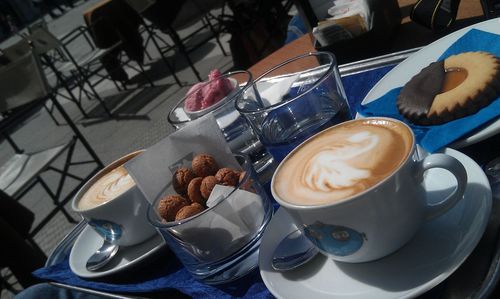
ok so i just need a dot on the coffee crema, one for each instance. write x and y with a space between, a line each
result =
106 188
342 161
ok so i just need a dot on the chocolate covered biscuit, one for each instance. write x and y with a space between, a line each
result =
450 89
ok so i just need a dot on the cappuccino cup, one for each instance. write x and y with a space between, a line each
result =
112 204
356 189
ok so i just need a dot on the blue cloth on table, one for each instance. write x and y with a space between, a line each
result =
161 277
358 85
433 138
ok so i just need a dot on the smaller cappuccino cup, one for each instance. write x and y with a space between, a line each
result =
112 204
356 190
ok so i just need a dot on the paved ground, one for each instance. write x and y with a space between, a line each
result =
141 119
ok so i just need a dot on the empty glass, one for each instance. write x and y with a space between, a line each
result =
293 101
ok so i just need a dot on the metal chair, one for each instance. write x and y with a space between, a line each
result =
66 68
181 14
12 53
76 62
112 22
24 90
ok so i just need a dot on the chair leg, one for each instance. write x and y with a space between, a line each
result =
51 115
65 85
165 61
84 78
118 87
76 131
216 34
98 97
56 202
76 101
147 53
222 16
12 143
143 72
178 42
5 285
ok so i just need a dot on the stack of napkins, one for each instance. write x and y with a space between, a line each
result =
350 18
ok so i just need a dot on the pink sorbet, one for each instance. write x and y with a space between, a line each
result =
203 95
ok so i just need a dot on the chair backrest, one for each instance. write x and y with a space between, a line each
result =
17 50
43 40
22 80
38 24
140 5
190 12
193 11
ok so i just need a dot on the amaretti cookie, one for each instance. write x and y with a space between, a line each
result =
227 177
181 179
204 165
450 89
189 211
170 205
194 186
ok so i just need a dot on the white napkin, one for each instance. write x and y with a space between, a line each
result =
153 170
272 92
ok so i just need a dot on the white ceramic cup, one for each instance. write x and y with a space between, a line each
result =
122 220
375 222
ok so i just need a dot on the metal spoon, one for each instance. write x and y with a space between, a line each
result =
102 256
293 251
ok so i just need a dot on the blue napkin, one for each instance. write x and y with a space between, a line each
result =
433 138
164 274
358 85
161 276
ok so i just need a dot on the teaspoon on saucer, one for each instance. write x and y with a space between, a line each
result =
293 251
102 256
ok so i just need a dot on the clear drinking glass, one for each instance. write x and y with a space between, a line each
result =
236 130
221 243
293 101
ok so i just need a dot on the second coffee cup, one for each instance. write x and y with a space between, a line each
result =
355 190
112 204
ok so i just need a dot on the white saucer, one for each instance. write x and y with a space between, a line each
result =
89 241
436 251
402 73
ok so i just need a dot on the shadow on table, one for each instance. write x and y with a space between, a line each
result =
165 264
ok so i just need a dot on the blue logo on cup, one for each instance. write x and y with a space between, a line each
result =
336 240
108 230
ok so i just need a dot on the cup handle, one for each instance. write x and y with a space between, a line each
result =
457 169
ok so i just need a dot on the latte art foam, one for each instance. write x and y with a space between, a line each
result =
342 161
329 169
106 188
